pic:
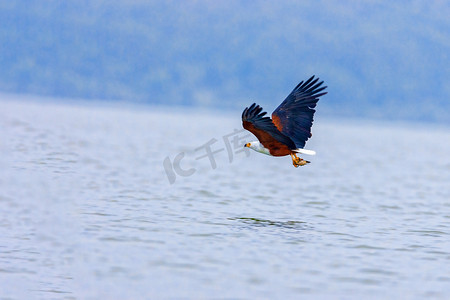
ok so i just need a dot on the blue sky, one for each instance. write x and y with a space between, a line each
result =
379 59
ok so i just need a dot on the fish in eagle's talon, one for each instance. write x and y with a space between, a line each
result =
290 127
303 162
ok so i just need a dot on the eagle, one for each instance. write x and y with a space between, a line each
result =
290 127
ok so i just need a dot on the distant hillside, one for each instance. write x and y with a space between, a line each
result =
379 59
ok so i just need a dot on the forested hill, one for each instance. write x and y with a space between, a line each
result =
379 59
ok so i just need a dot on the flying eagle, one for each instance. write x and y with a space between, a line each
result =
290 127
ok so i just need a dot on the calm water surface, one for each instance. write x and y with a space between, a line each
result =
94 205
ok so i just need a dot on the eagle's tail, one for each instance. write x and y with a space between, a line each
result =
305 151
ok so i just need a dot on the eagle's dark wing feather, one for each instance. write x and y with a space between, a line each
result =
294 116
262 127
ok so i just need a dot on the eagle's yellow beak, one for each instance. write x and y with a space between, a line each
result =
247 145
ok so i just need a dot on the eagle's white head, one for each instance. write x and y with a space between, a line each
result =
258 147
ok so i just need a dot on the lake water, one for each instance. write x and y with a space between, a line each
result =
125 203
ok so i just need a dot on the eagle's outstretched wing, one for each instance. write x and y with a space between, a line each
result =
294 116
262 127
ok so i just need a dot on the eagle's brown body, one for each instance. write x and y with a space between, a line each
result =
275 147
